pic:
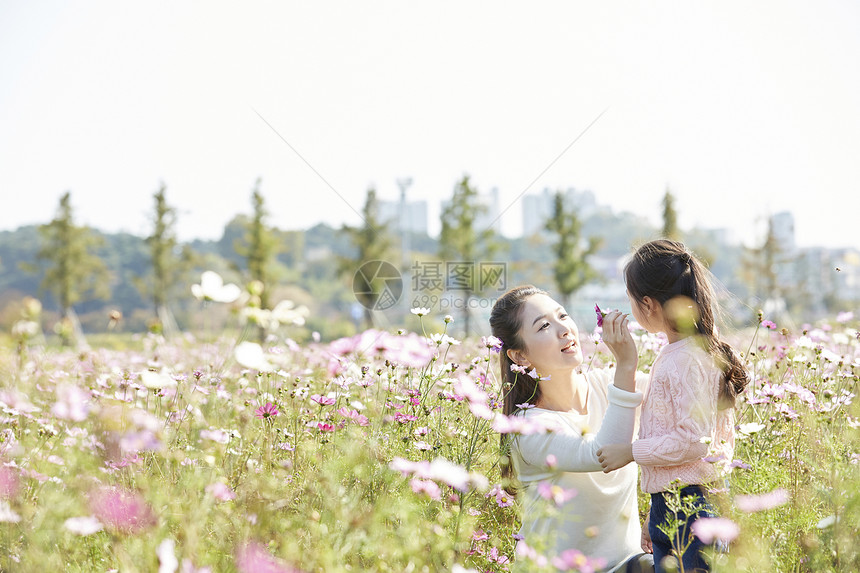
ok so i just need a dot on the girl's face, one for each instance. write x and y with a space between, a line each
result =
646 319
550 336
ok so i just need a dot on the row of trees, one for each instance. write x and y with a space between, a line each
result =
73 272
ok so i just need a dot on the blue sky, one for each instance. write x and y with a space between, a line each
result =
742 109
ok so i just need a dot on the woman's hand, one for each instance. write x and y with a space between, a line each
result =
614 456
645 540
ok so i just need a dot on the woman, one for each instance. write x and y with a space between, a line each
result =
539 357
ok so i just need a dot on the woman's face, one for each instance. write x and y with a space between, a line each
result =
550 336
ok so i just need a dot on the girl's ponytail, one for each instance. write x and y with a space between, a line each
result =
735 377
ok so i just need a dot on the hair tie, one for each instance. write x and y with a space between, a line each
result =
686 257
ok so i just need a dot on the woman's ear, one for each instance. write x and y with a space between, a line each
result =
517 357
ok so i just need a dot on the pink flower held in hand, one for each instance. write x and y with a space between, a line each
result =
266 411
709 529
600 315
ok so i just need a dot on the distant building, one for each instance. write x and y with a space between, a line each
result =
411 215
782 227
490 217
538 208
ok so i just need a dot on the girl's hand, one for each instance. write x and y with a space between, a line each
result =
614 456
617 337
645 540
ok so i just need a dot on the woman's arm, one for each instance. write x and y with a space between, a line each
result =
575 451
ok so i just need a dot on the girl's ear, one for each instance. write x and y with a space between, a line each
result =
649 305
517 357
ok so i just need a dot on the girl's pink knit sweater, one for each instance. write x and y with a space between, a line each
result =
680 423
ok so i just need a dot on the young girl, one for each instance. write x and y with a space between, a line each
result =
586 411
691 392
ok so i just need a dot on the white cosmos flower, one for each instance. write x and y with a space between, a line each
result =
827 522
167 556
7 514
286 312
83 525
212 288
250 355
156 380
750 428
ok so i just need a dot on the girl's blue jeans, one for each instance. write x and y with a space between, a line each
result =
692 558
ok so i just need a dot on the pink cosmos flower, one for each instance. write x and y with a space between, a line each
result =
557 494
600 315
266 411
479 535
254 558
494 555
322 400
844 317
503 498
441 470
353 415
491 342
740 464
325 427
122 510
9 483
575 560
428 487
72 403
709 529
753 503
517 425
769 324
404 418
220 491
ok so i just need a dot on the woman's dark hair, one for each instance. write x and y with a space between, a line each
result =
505 323
665 270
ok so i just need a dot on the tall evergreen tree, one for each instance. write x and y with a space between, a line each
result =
162 248
259 247
461 242
670 217
74 272
571 268
372 243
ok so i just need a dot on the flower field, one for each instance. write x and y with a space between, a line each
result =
377 452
